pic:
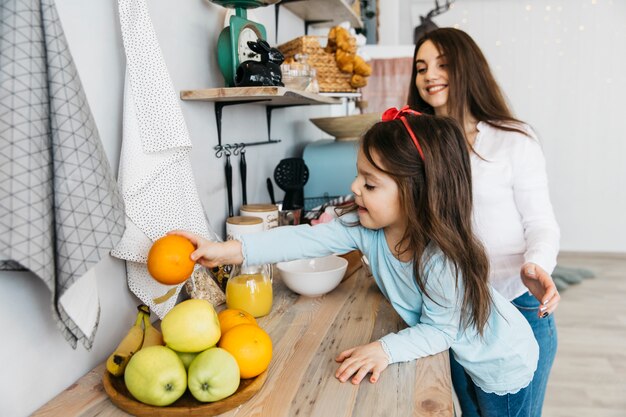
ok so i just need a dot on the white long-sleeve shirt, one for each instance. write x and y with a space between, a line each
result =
513 215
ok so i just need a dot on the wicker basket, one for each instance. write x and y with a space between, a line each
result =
329 77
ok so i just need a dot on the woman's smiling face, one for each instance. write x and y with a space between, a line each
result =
432 77
377 196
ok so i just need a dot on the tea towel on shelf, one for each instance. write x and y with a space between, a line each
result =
60 209
155 175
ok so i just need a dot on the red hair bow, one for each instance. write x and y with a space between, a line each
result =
394 114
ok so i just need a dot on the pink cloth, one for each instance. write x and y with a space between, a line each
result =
388 85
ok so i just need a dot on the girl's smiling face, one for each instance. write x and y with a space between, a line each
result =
432 77
377 197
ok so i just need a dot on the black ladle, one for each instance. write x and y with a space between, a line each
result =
243 169
229 183
270 190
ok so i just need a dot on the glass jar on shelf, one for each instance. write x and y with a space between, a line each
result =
313 86
296 73
250 289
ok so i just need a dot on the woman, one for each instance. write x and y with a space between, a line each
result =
512 211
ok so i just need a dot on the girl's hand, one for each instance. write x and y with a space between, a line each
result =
361 360
541 285
212 254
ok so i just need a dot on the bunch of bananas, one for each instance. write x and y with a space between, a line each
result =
142 334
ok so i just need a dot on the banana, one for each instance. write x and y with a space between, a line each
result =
131 343
151 336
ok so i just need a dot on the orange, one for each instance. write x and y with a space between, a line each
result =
251 346
168 260
232 317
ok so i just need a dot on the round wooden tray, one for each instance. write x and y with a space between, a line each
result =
185 405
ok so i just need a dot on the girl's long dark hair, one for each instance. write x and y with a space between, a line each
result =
436 198
471 84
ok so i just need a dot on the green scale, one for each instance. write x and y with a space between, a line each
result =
232 44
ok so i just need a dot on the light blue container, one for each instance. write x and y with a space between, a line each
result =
332 168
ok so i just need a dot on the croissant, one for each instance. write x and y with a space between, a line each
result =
358 81
331 46
361 67
351 46
345 61
342 37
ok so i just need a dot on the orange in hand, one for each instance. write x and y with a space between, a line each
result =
232 317
251 346
168 260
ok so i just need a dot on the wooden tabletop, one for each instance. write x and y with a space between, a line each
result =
307 334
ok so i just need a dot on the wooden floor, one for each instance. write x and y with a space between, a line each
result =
588 378
589 374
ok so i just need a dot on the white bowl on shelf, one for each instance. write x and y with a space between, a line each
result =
313 277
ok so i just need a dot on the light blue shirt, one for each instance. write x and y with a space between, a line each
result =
502 361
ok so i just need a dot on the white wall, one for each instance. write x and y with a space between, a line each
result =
38 363
561 64
573 100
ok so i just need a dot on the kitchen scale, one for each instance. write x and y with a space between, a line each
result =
232 44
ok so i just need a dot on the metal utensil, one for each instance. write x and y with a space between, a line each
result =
243 170
228 170
270 190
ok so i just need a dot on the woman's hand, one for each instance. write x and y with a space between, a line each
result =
541 285
361 360
212 254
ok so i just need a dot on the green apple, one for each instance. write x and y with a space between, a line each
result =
213 375
191 326
155 375
187 357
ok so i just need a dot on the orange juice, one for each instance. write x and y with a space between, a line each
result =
251 293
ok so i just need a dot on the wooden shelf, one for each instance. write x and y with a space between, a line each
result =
326 12
269 96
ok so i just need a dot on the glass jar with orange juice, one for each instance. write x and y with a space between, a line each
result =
249 288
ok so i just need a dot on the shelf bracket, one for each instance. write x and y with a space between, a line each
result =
307 23
218 115
221 148
269 110
276 13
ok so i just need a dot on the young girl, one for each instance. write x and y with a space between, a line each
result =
513 215
412 219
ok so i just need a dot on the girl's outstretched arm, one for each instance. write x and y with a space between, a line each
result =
361 360
212 254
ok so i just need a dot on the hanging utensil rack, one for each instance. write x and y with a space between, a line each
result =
271 97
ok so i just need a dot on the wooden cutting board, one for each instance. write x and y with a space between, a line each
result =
186 405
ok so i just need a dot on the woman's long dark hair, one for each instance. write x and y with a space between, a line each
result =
471 84
436 198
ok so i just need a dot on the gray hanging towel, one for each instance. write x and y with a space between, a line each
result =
60 210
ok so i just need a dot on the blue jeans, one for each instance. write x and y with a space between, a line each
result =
476 403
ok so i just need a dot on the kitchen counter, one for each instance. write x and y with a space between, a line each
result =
307 334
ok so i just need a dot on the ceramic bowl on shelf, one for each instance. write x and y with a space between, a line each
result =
313 277
347 127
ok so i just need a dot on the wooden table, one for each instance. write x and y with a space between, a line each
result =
307 334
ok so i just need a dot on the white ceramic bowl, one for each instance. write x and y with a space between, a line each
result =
313 277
